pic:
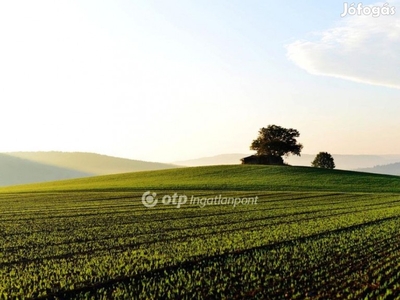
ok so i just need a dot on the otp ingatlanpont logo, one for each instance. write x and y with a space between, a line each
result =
149 199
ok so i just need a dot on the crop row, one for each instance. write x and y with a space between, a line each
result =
103 244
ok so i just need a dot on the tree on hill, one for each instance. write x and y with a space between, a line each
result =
323 160
277 141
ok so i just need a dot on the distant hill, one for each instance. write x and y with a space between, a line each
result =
344 162
391 169
30 167
14 170
347 162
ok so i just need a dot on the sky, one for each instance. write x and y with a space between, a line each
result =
173 80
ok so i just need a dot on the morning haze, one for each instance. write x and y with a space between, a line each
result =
169 82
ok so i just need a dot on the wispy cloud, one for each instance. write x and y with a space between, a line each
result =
359 48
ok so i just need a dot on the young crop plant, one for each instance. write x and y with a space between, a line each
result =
108 245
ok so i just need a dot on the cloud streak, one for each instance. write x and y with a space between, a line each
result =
358 48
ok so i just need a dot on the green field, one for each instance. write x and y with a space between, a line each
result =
312 234
230 178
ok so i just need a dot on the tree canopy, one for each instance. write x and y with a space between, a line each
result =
277 141
323 160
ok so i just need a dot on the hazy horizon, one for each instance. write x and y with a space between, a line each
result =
172 81
288 159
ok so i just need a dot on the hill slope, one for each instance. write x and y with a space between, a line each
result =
233 177
91 162
28 167
391 169
14 170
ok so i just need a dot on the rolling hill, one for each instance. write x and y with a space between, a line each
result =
29 167
96 238
33 167
232 177
15 170
391 169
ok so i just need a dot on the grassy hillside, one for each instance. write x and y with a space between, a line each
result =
90 162
98 240
234 177
287 245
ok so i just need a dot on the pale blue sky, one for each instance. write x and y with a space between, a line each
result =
174 80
